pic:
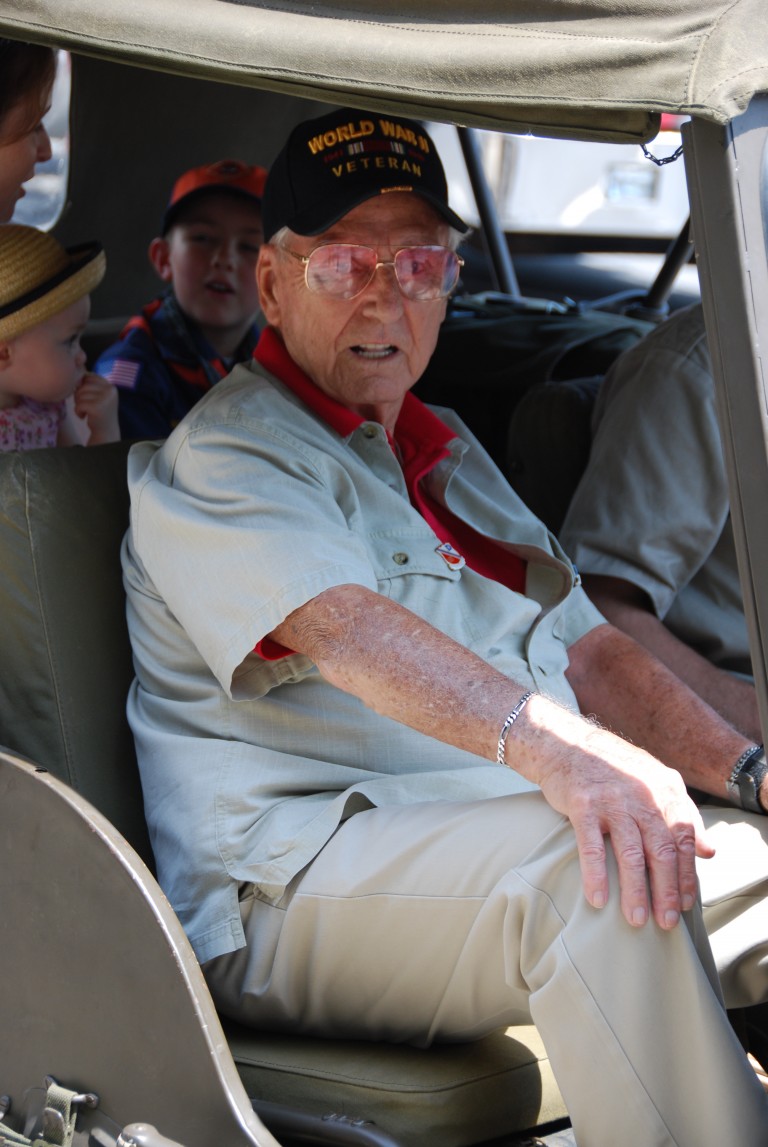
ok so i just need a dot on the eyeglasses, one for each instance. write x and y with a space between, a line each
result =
343 270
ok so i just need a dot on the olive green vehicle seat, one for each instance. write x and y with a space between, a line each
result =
549 438
66 668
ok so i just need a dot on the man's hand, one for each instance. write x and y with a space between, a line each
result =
609 788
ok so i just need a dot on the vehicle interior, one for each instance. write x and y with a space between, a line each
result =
104 998
525 339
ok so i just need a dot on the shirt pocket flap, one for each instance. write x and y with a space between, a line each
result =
398 552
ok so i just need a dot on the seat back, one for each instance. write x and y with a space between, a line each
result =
65 665
493 350
548 443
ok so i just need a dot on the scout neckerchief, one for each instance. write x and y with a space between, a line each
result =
183 346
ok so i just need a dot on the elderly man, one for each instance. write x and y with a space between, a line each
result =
345 626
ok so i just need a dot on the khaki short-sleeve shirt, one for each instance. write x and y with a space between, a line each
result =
250 509
652 506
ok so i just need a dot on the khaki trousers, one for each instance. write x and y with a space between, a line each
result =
734 893
445 921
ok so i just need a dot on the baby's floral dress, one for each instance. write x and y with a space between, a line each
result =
30 425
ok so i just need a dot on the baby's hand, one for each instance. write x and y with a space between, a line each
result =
96 402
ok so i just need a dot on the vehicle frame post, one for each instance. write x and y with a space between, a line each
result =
726 172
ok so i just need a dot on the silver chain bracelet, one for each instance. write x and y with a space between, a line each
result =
501 751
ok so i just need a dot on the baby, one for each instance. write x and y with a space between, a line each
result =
47 398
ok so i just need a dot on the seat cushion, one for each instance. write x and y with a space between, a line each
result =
449 1095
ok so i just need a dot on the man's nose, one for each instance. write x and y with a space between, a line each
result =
383 291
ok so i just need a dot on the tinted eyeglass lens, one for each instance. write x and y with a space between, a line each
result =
345 269
340 269
426 272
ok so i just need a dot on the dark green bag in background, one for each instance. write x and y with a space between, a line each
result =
491 350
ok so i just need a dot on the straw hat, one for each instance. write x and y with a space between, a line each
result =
39 277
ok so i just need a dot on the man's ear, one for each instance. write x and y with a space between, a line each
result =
267 282
160 257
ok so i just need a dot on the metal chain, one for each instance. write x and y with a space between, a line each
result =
666 159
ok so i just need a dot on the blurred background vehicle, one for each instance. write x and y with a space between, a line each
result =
598 195
581 219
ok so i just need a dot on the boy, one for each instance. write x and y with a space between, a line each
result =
47 398
182 343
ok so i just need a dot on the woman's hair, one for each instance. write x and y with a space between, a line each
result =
27 72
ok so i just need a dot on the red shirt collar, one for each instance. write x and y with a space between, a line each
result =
422 438
271 354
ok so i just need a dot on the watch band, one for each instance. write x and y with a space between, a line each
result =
746 777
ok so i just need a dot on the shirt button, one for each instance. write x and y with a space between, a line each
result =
400 559
369 431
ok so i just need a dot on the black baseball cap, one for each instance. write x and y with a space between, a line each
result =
331 164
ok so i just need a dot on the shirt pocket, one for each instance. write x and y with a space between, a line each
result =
398 556
411 572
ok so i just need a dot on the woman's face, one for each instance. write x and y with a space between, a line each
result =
23 143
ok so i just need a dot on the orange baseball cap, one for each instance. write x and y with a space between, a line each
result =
225 175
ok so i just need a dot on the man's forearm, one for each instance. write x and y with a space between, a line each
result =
402 667
630 691
624 606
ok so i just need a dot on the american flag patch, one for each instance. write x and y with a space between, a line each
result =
124 373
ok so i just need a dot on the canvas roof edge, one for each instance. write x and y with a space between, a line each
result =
570 70
617 125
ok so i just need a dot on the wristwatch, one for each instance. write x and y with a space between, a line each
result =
744 782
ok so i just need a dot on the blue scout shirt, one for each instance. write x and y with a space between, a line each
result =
162 365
